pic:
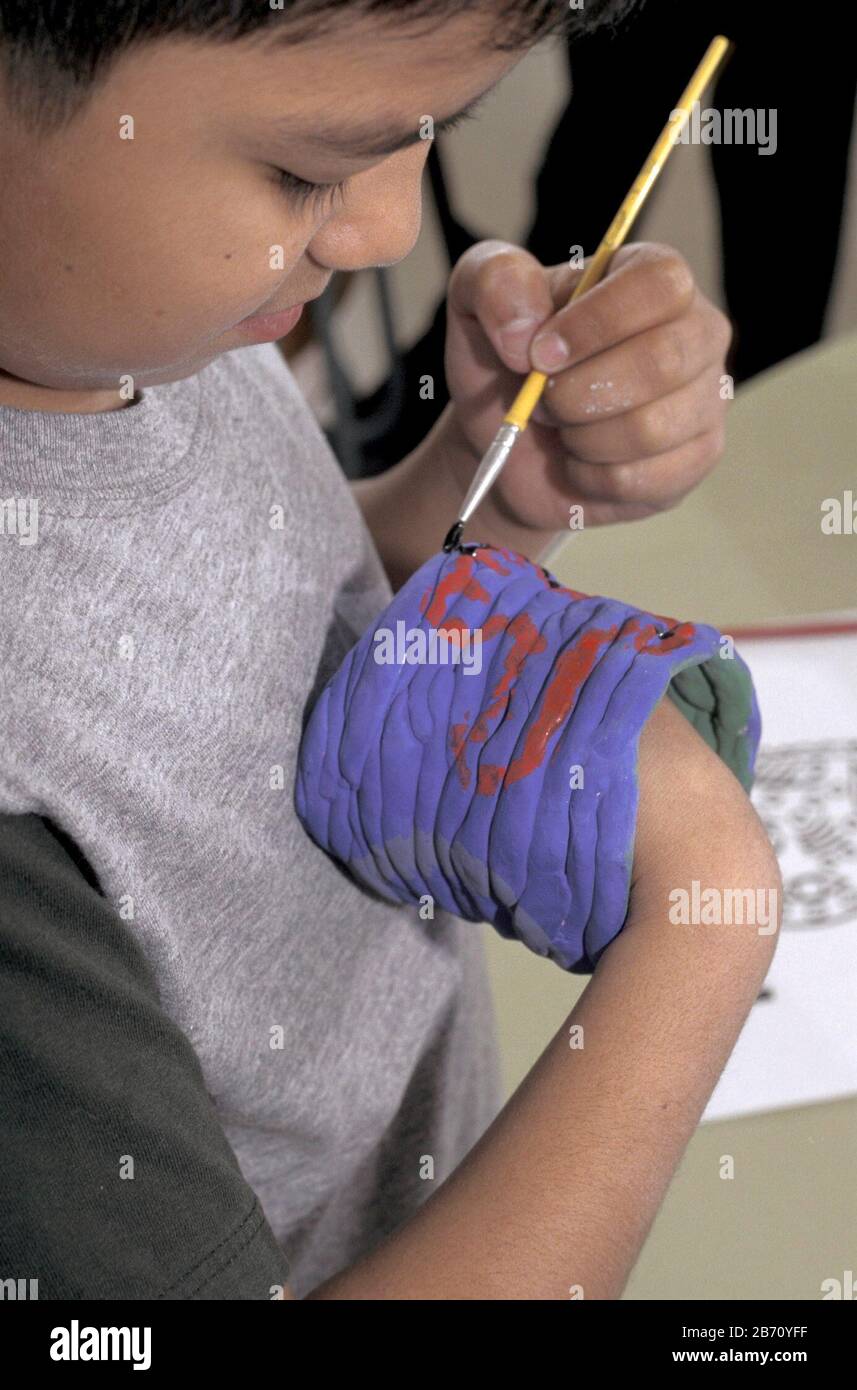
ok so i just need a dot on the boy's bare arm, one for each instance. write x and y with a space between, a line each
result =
560 1192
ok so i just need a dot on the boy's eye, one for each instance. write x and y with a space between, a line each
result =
303 192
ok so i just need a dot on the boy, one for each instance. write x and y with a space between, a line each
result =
225 1065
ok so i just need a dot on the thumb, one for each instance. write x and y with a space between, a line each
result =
506 291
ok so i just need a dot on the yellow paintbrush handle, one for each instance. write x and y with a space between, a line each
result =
527 398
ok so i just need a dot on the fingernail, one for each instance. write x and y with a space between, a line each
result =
549 351
516 334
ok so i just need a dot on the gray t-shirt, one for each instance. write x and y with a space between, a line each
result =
195 570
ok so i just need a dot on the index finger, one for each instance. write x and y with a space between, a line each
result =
648 284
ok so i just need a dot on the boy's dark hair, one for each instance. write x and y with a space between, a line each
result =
54 51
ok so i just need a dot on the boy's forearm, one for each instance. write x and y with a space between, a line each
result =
557 1198
410 508
559 1194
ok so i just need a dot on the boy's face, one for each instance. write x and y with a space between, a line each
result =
143 256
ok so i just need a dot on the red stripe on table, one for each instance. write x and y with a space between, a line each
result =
792 630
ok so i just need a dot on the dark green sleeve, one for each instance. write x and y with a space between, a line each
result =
94 1074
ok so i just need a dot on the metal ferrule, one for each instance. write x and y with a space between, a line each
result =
489 468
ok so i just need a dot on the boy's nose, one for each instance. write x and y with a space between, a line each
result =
378 221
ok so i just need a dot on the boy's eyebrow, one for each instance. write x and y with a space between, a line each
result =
364 140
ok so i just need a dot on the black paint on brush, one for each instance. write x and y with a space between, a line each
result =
453 536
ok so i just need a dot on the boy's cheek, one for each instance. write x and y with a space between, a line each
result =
105 279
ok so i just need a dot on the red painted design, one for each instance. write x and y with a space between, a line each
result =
487 557
571 670
458 741
459 580
527 639
646 638
572 667
490 777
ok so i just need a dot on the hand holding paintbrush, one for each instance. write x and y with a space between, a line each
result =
518 415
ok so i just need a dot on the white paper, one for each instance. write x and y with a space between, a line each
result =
799 1045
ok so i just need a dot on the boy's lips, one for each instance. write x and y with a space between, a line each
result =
263 328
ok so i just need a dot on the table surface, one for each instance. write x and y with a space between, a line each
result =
745 548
